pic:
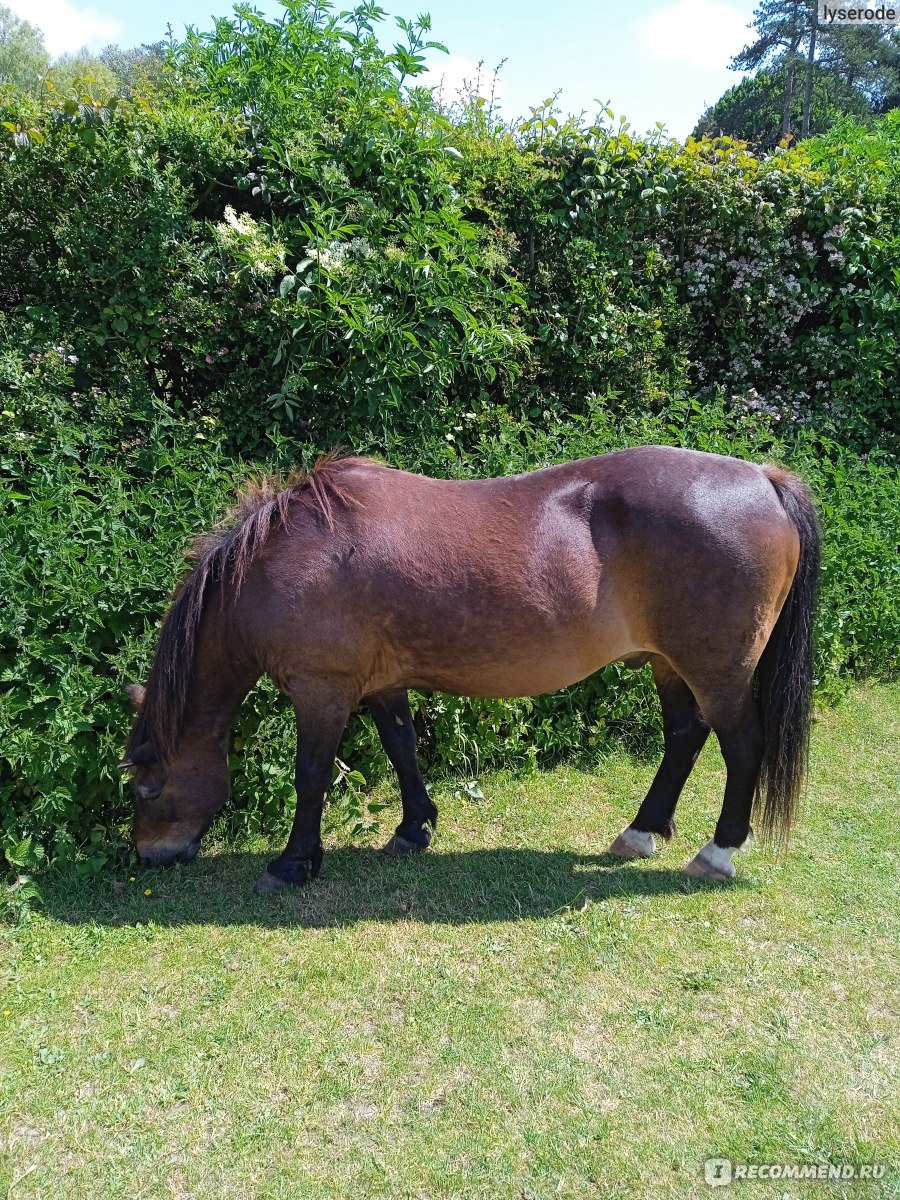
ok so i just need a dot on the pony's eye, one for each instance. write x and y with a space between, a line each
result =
148 791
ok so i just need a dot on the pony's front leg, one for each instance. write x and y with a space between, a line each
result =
320 725
393 719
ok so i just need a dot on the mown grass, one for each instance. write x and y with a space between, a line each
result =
512 1016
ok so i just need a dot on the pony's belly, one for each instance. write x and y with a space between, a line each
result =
532 675
497 687
518 656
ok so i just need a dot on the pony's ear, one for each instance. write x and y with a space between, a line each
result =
143 756
136 695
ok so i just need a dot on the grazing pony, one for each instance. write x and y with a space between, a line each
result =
354 582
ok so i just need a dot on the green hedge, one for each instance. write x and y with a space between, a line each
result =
103 494
287 236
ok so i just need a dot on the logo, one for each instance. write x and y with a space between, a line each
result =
721 1172
717 1172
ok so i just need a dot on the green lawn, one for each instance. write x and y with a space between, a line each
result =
512 1016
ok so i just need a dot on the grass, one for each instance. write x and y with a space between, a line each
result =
512 1016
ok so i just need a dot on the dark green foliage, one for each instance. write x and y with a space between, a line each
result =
753 109
334 256
648 264
84 559
279 245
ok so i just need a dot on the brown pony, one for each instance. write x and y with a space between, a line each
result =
355 582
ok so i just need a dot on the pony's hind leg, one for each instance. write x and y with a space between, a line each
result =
321 720
684 732
393 719
738 726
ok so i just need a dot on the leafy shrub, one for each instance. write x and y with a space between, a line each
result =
286 234
652 266
253 260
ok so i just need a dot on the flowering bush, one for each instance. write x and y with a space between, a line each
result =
772 280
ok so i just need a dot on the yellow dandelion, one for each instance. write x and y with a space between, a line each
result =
7 1012
148 891
132 878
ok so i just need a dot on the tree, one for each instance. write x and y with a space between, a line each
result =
137 68
847 69
890 96
781 26
810 66
23 56
753 109
85 71
866 59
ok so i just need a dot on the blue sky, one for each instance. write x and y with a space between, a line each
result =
662 60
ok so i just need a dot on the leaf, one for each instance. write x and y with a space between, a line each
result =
286 285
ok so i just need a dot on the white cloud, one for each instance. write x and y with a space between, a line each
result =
66 27
704 34
455 75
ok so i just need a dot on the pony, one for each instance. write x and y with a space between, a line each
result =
353 582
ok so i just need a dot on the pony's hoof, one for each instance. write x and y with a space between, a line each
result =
268 884
287 871
399 845
711 862
633 843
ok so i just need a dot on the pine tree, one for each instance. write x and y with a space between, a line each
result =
862 62
782 27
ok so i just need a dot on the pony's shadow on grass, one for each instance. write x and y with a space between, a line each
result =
362 884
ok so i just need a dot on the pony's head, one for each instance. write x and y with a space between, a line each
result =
178 749
177 798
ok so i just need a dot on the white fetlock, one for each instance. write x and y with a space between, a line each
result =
633 843
712 862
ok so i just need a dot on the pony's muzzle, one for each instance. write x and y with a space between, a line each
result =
166 857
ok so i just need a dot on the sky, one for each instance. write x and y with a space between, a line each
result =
652 61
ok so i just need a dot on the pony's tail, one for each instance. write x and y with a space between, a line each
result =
784 675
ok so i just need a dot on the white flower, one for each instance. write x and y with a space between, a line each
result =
330 257
234 220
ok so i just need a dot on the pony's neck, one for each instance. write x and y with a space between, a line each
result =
220 681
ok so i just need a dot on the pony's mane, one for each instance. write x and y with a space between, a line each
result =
223 556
